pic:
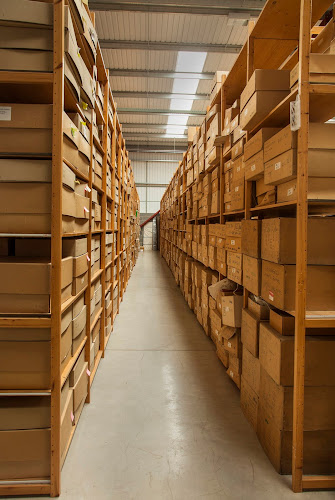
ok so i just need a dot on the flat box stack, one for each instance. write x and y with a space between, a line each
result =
77 322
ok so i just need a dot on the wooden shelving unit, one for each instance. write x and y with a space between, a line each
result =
284 35
111 227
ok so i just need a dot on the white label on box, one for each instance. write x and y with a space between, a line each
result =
229 344
232 242
277 165
290 192
245 111
233 270
238 169
236 189
5 113
253 167
231 373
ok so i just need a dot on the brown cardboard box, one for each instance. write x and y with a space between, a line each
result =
33 213
234 244
274 420
249 402
66 425
230 337
235 259
19 59
238 148
66 346
80 390
265 80
278 286
80 265
261 311
24 359
232 310
222 354
25 128
283 141
254 167
24 285
282 322
282 168
251 369
74 247
250 332
79 283
260 104
255 144
77 369
234 228
25 454
279 240
276 355
251 237
234 274
21 13
78 329
234 370
252 272
24 412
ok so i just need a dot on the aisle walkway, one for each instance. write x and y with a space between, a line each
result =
165 421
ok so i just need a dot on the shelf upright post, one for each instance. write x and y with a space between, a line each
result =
56 240
301 248
104 214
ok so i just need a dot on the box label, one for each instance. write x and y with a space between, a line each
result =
5 113
277 165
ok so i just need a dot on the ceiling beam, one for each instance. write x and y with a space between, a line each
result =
195 7
154 135
148 111
149 160
135 147
159 74
172 46
159 95
157 126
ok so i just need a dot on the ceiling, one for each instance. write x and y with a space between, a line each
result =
162 56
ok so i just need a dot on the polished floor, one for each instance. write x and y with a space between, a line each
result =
165 421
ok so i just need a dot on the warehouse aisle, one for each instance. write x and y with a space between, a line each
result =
165 421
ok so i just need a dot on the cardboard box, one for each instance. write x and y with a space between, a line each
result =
256 143
232 310
74 247
234 244
279 240
24 359
234 274
252 272
250 332
249 402
24 285
282 322
251 237
260 104
260 310
23 13
79 283
251 369
230 337
222 354
24 412
278 286
77 369
234 371
235 259
14 59
80 390
282 168
25 128
25 454
254 167
276 355
265 80
66 425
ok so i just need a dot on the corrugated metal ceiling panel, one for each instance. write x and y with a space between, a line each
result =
143 103
152 119
140 84
138 156
140 59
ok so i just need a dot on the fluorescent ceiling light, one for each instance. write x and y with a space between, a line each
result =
173 129
177 120
190 61
181 104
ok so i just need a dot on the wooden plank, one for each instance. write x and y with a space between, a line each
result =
301 249
56 241
20 489
22 322
318 482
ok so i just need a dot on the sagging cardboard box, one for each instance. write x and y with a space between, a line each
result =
238 149
265 80
66 425
25 453
232 310
222 354
74 247
25 358
80 391
254 167
274 427
260 104
276 355
234 370
279 240
252 272
250 332
249 402
321 69
25 285
19 59
282 168
282 322
26 128
278 286
319 189
78 329
235 274
259 308
251 237
256 143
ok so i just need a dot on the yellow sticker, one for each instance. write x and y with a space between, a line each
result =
73 131
84 105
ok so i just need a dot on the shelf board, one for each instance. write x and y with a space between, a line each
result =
272 206
26 77
97 231
74 235
25 487
108 289
66 371
25 392
21 235
237 212
278 116
98 145
96 275
320 319
68 303
96 364
115 314
115 284
96 319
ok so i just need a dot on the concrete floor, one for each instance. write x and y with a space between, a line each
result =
165 420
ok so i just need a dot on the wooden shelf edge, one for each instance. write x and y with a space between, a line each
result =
96 319
66 371
96 364
68 303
